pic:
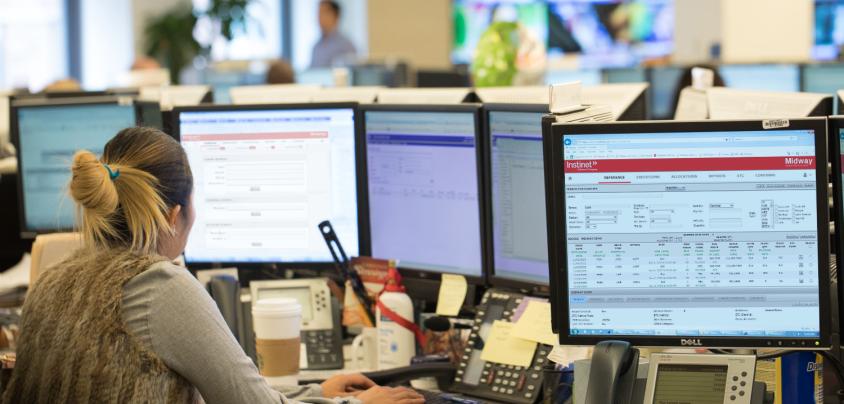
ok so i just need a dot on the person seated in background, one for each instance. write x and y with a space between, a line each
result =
333 48
280 72
145 63
686 81
63 85
119 322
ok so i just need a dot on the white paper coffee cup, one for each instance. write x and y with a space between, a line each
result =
277 323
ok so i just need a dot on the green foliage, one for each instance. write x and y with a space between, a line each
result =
169 39
495 58
230 14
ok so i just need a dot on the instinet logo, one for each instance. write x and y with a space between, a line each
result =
582 165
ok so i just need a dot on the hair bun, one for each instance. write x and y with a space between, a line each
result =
91 186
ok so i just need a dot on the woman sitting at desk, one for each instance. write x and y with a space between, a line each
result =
118 322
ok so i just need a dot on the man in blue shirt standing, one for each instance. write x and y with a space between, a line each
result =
333 48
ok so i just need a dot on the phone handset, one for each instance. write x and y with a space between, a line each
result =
612 373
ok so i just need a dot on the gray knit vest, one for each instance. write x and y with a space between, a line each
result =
74 347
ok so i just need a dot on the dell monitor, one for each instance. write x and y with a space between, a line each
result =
516 193
423 164
265 176
729 103
47 134
709 233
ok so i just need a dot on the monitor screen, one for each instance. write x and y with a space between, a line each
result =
782 78
603 33
611 33
520 247
423 189
663 87
823 78
829 29
48 138
473 17
708 234
264 179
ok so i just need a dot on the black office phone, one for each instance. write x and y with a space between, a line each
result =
507 383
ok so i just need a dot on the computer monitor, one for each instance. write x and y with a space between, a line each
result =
703 234
774 77
728 103
664 81
47 133
516 236
265 176
423 165
454 77
829 17
822 78
625 75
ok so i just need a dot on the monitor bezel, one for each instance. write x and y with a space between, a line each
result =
553 139
836 125
362 205
27 232
522 285
475 109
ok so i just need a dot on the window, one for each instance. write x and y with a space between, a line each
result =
33 43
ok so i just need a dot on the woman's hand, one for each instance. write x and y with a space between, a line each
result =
346 385
390 395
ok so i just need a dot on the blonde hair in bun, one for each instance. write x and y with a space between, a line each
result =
120 201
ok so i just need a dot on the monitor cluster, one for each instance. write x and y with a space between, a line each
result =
709 233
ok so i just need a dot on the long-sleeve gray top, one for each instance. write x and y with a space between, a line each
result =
171 314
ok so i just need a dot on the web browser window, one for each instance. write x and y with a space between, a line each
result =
423 190
701 234
518 196
49 137
264 180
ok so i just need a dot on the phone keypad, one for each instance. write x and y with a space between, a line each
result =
498 381
320 347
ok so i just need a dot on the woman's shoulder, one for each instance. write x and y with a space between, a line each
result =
161 274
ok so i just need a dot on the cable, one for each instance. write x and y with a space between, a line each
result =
839 371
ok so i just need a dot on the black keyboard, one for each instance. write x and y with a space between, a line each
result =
433 397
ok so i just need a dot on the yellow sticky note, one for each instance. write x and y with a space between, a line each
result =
535 324
452 294
502 347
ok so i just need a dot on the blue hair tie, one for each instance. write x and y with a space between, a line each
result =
112 174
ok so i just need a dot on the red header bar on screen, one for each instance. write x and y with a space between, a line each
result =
690 164
254 136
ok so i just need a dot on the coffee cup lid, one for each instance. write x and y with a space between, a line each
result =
278 305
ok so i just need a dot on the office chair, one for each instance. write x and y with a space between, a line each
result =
49 249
